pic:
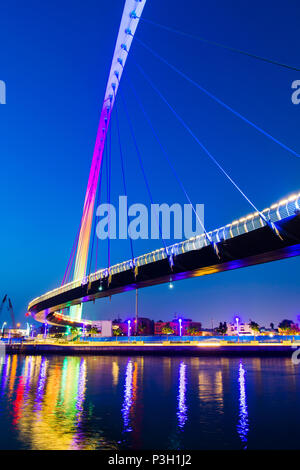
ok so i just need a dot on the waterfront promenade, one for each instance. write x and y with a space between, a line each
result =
193 348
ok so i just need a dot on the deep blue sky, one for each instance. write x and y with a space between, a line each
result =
55 58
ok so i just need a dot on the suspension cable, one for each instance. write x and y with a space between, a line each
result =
218 100
71 257
94 225
98 203
201 144
123 173
109 194
75 245
166 155
223 46
83 217
141 165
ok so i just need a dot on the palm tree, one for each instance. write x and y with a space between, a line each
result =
94 330
222 329
167 330
193 331
117 331
254 327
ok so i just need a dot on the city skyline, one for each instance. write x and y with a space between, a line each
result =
43 200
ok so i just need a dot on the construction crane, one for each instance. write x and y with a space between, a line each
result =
9 308
3 302
11 311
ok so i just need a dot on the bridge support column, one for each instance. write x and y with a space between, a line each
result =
132 12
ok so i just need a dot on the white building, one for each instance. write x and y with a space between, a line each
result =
239 328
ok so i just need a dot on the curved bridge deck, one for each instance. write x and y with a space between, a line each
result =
242 243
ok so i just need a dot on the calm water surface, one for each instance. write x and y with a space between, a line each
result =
54 402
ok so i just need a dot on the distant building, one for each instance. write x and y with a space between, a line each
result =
159 325
268 331
103 326
14 333
186 324
145 326
208 332
243 329
291 329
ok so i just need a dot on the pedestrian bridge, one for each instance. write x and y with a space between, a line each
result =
260 237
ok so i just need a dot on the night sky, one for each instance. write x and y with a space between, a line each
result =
55 59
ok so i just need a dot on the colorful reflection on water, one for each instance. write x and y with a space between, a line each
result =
52 402
243 414
182 408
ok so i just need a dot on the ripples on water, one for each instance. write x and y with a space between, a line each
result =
54 402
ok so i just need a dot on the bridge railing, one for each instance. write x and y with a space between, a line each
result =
279 211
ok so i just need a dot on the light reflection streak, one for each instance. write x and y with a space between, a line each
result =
28 375
41 384
127 402
46 417
181 397
5 374
243 426
115 373
12 372
81 389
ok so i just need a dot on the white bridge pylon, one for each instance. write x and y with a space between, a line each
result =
132 12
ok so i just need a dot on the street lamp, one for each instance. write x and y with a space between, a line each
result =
129 328
180 326
237 319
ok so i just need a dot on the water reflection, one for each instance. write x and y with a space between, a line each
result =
130 395
48 403
182 408
127 396
115 373
243 426
41 384
145 403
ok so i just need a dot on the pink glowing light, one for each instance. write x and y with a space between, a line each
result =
129 23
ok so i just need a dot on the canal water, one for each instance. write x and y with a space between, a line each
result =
55 402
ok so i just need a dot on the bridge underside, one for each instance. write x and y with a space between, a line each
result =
255 247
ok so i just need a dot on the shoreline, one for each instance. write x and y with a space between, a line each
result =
155 349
